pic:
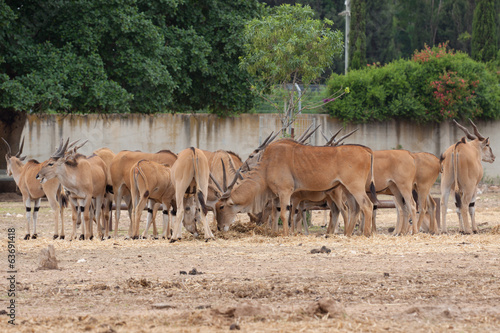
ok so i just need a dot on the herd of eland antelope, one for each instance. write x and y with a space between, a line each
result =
280 178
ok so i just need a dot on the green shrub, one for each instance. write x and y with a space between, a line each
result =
437 84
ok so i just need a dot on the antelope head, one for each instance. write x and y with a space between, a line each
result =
484 143
50 167
9 158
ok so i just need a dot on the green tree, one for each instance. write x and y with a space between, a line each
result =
124 56
357 35
287 47
436 85
380 30
484 32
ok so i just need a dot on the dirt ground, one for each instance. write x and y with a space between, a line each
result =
254 282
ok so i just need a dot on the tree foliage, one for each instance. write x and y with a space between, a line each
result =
437 84
357 35
287 47
123 56
484 34
396 28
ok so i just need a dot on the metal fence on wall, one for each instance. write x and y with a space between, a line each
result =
268 124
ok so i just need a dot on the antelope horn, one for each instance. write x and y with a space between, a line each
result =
224 178
479 136
231 164
274 137
73 143
301 137
20 149
345 136
61 149
329 143
236 176
226 195
81 145
9 151
216 183
265 141
57 152
310 134
466 131
324 136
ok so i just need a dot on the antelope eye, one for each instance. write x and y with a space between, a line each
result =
51 164
221 207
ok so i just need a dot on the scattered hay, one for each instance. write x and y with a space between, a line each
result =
255 229
47 258
496 230
135 283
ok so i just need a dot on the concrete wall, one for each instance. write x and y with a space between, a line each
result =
240 134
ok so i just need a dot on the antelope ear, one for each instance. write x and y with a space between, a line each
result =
22 158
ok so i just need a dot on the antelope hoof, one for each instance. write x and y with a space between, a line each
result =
34 236
82 237
135 237
61 237
173 240
475 231
27 237
55 237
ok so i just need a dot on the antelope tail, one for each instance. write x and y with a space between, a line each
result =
138 171
62 198
373 192
454 162
201 196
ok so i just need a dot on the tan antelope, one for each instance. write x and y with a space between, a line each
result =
120 168
395 171
83 178
191 174
427 171
217 161
107 156
332 199
462 171
286 167
153 181
32 191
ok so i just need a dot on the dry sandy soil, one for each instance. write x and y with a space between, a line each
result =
257 282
